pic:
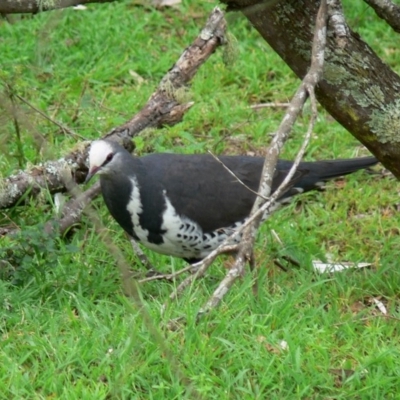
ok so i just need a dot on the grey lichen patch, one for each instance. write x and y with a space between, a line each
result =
167 87
3 187
352 72
385 123
303 48
336 74
359 61
182 95
375 95
372 96
8 193
52 168
44 4
71 163
283 13
231 50
42 197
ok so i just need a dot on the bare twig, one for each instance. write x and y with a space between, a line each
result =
388 11
279 265
201 267
226 246
369 318
76 113
21 157
269 105
245 249
291 260
236 177
168 277
53 121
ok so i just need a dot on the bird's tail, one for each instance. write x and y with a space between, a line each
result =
314 174
330 169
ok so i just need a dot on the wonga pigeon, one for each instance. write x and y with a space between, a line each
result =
186 205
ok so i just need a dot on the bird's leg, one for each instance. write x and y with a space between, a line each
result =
143 259
292 261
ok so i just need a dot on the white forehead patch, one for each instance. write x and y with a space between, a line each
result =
99 150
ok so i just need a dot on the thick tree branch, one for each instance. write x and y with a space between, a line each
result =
358 89
35 6
388 11
165 107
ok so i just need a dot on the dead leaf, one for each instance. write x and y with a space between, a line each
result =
338 266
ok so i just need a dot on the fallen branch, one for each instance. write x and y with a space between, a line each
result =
163 108
36 6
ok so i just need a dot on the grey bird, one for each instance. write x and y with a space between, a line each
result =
186 205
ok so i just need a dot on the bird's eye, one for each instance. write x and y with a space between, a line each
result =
109 157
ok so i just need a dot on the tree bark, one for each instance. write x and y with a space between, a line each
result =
358 89
35 6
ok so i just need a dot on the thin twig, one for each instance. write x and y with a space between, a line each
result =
269 105
279 265
21 156
201 268
245 250
132 291
236 177
168 277
53 121
291 260
75 115
245 255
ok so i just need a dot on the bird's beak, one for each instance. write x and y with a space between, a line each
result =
91 173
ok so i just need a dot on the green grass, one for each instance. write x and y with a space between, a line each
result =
67 331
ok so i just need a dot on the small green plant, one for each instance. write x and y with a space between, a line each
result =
32 252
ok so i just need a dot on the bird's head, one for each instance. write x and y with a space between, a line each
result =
102 157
